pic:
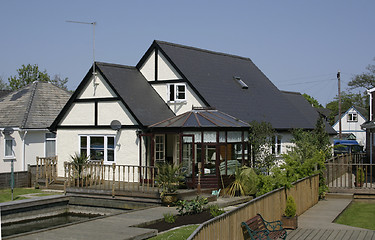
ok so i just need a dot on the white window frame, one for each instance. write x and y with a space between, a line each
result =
89 136
176 92
12 149
277 145
49 139
353 117
161 150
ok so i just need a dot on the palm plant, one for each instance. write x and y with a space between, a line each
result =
79 162
169 177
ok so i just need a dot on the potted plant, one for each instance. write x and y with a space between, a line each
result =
360 177
168 179
289 219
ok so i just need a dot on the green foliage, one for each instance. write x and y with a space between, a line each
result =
31 73
215 210
185 207
347 100
169 217
360 175
245 182
79 163
169 177
260 138
312 101
304 159
364 80
291 207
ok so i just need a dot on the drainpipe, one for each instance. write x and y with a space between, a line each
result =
24 151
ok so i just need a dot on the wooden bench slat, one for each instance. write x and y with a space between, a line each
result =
257 228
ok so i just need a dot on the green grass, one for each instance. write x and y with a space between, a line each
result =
359 214
177 234
6 194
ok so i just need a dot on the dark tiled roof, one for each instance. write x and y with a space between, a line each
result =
304 107
33 106
212 75
147 106
201 119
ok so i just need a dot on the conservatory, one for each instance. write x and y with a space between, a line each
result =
205 142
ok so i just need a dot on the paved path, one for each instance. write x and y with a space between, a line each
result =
113 227
317 223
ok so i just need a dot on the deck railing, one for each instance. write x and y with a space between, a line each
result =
46 168
97 175
349 172
271 206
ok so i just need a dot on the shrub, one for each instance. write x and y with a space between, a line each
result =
169 218
215 210
195 206
245 182
291 208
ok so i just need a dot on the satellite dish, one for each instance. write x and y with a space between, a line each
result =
8 131
116 125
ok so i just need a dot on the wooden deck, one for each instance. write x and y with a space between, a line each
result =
317 222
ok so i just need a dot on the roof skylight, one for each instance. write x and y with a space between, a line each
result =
242 83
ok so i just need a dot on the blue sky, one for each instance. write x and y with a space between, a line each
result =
298 45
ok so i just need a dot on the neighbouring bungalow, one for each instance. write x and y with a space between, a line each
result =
26 115
179 104
369 126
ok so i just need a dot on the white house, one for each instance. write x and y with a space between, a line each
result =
25 117
351 122
178 104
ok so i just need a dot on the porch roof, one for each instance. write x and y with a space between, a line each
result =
202 118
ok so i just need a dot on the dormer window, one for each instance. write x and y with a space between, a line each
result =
176 92
352 117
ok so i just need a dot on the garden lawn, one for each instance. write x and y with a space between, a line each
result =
177 234
359 214
6 194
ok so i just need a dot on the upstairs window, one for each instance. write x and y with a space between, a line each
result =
352 117
176 92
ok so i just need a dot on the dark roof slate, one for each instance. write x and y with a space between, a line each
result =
33 106
212 75
304 107
147 106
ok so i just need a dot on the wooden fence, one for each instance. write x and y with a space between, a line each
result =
46 168
96 175
350 173
270 205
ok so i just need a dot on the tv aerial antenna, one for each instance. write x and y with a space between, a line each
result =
93 45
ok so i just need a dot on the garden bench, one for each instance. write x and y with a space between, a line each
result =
258 228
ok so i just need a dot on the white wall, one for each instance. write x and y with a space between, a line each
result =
352 127
179 107
80 114
34 146
98 90
148 68
108 111
126 152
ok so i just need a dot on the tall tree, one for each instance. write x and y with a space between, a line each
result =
261 142
347 100
312 101
365 80
31 73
